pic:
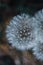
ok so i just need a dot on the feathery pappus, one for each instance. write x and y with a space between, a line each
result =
21 32
39 17
38 47
38 50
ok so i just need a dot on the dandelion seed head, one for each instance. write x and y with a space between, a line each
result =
38 50
21 32
39 17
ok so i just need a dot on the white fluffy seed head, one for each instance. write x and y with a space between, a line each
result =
38 50
38 45
39 20
39 17
21 32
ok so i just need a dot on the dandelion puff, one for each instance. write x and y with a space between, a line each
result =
39 17
21 32
38 45
39 20
38 50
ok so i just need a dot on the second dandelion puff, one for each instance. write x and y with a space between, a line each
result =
38 47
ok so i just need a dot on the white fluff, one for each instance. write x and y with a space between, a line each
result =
38 50
39 18
18 27
38 47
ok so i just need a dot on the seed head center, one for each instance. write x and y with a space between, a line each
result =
24 33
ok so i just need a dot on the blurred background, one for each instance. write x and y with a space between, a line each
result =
8 9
